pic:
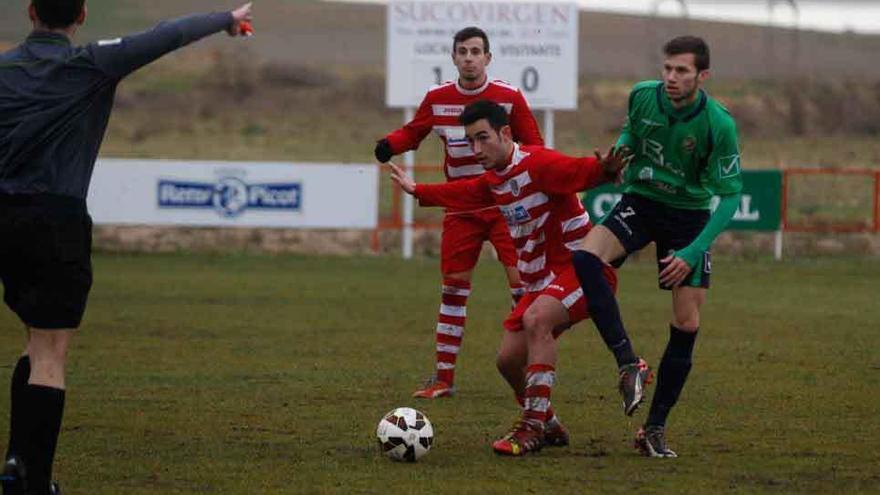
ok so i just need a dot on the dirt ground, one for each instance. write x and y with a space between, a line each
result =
427 242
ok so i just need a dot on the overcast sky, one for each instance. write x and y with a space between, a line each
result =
859 16
837 16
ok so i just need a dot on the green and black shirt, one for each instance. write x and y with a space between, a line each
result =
682 156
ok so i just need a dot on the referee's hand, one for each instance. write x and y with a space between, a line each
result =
241 15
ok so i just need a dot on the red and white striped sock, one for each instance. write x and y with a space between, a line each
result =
540 379
450 326
551 414
516 293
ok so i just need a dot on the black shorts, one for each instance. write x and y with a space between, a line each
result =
636 221
45 259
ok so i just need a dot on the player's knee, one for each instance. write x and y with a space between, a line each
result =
48 346
536 325
687 321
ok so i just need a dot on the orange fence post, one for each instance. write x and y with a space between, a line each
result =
877 202
396 220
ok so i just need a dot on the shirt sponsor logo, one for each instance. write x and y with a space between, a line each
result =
689 144
651 123
517 215
514 188
654 151
229 196
728 166
447 110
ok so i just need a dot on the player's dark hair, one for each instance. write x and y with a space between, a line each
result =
485 109
468 33
58 14
689 44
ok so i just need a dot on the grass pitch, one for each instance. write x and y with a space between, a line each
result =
257 374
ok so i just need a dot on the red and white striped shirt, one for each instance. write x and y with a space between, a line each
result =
439 112
536 193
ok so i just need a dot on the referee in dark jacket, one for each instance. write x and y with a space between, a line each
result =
55 101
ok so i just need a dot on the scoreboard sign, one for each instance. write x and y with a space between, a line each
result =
533 45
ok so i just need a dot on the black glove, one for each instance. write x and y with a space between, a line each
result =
383 151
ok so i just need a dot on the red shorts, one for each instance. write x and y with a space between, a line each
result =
566 289
463 238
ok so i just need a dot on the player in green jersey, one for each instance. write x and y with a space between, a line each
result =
684 151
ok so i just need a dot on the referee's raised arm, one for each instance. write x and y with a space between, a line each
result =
122 56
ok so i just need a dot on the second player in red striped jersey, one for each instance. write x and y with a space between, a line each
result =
439 113
464 232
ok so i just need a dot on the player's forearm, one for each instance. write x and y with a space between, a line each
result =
429 195
133 52
718 221
434 195
195 27
403 140
450 195
567 175
411 135
587 175
593 175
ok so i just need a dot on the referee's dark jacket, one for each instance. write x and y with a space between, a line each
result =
55 101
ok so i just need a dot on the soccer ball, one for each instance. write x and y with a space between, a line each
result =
405 434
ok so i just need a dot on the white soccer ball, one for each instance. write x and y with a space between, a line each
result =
405 434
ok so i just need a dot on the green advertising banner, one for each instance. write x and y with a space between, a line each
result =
760 206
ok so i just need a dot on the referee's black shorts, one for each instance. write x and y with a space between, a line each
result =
45 259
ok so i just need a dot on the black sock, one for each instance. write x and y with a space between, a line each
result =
47 408
603 306
18 406
673 373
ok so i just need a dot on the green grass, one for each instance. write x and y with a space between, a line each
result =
257 374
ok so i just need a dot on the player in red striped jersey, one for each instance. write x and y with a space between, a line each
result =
535 189
463 232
